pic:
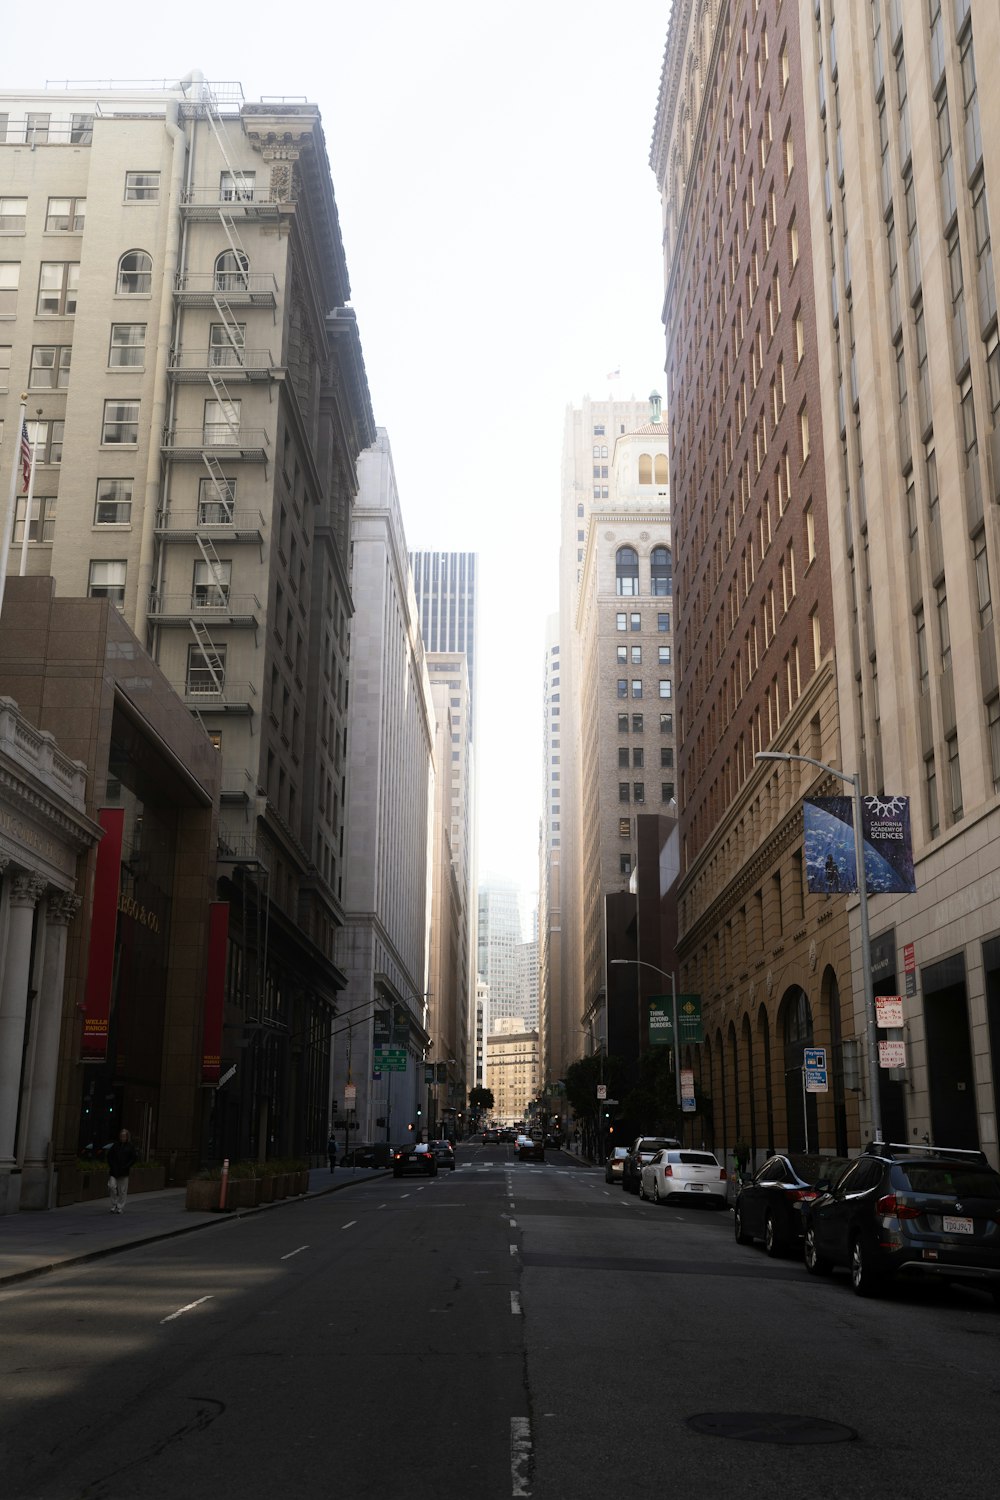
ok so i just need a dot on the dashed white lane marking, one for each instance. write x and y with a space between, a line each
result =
404 1195
513 1249
515 1304
520 1455
381 1205
295 1252
513 1223
350 1224
187 1308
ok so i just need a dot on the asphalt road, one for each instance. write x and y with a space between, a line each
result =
504 1330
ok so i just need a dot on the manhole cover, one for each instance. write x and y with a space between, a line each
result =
770 1427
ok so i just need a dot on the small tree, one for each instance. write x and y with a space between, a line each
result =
481 1099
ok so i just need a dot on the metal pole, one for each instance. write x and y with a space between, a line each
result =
31 496
677 1039
805 1107
866 964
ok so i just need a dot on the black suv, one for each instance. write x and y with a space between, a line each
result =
916 1210
641 1151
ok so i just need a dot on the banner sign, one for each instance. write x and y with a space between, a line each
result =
428 1072
215 991
103 927
400 1025
831 865
442 1072
910 968
661 1020
381 1029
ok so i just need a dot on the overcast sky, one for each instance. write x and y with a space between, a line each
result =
502 230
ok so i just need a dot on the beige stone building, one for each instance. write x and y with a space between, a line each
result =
551 1024
902 161
513 1070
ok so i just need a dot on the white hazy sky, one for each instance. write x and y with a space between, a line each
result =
502 229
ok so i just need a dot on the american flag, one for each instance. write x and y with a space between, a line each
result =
614 374
25 456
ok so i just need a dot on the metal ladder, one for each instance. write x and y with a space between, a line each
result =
220 484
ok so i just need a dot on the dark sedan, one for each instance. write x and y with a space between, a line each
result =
530 1148
444 1154
419 1159
769 1206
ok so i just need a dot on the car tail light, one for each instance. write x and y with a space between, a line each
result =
803 1195
722 1174
892 1206
668 1171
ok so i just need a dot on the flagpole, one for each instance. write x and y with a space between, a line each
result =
8 524
27 503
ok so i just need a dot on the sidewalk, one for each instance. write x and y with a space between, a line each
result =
32 1243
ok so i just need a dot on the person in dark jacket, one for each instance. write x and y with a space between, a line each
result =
121 1156
331 1151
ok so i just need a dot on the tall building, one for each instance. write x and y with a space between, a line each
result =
513 1074
551 1026
755 632
175 305
384 945
625 630
589 432
902 160
526 960
500 934
445 585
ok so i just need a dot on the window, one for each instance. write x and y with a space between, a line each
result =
638 758
639 791
237 187
222 422
135 274
107 581
985 597
789 150
142 187
636 687
666 791
46 439
625 864
623 757
216 501
666 723
81 130
623 791
627 571
64 215
666 688
636 656
121 422
43 519
804 432
810 533
50 367
621 622
232 271
623 687
13 215
57 286
227 346
5 353
10 273
793 246
664 656
635 622
637 723
114 502
622 654
128 346
206 671
663 623
944 628
622 723
954 776
661 572
921 639
666 757
210 583
38 129
993 730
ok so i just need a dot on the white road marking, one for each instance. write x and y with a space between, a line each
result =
350 1224
520 1455
513 1223
515 1304
295 1252
381 1205
513 1249
404 1195
186 1308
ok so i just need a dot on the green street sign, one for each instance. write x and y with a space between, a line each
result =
390 1060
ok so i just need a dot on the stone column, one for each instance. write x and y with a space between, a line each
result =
24 893
37 1177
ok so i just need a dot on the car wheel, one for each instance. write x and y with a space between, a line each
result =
773 1243
656 1192
816 1264
642 1190
742 1238
864 1278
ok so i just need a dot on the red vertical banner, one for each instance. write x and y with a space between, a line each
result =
103 926
215 990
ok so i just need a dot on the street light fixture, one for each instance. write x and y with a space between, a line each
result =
854 780
641 963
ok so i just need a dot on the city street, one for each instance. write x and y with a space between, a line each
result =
505 1329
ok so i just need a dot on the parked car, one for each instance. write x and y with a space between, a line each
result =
900 1210
443 1153
530 1148
615 1162
419 1158
769 1206
641 1151
684 1174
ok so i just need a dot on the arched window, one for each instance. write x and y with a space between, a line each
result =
645 468
661 468
797 1028
661 572
626 571
135 273
231 268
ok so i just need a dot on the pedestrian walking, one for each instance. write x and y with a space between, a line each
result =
331 1150
122 1157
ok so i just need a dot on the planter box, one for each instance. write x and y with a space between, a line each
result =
202 1195
281 1182
302 1182
93 1185
67 1184
266 1185
147 1179
242 1192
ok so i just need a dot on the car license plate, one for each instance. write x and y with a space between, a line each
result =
695 1187
958 1226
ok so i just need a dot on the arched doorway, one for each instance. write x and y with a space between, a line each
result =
797 1035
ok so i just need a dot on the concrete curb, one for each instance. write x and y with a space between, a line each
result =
172 1234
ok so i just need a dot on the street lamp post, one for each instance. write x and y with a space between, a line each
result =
667 974
854 780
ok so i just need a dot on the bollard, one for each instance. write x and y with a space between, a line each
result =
224 1184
